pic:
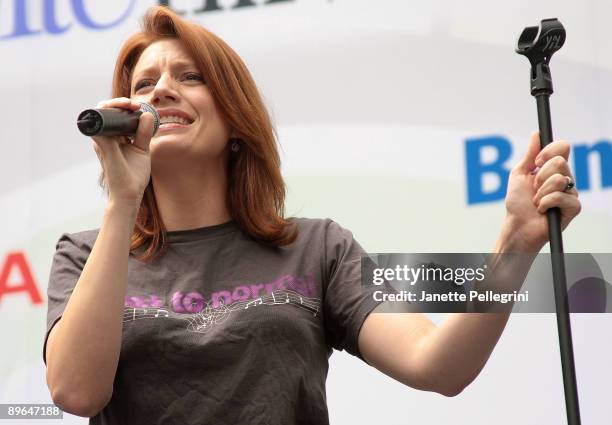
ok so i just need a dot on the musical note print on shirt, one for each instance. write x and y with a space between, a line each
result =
210 316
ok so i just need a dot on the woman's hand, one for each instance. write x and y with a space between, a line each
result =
536 184
126 166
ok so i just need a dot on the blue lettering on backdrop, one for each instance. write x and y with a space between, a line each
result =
50 24
20 27
83 16
581 164
476 169
213 5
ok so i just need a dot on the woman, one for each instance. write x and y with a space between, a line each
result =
197 302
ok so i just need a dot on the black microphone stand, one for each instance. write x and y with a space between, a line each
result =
538 44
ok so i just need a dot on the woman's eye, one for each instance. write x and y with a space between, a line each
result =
142 84
193 77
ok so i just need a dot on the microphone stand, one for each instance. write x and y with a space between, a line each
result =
538 44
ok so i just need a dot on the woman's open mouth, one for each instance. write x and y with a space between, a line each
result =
173 122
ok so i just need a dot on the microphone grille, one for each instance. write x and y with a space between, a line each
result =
145 107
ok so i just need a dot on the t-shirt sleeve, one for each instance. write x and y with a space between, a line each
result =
68 262
346 302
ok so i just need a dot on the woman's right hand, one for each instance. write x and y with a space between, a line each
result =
126 167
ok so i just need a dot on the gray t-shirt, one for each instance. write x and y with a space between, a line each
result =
224 330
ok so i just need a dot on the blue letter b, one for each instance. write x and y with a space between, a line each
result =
476 168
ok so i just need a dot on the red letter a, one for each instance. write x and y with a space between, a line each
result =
17 260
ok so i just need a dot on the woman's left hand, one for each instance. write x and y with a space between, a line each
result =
537 183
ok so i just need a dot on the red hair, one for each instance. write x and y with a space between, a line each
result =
256 190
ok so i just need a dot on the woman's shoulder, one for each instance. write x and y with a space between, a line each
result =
324 228
83 239
308 224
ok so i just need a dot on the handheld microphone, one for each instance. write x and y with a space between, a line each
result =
114 121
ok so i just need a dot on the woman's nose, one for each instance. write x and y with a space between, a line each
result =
164 90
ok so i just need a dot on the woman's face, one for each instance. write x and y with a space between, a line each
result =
166 77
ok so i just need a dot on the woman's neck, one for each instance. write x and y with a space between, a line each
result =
190 197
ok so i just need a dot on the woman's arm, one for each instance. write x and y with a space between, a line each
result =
83 346
446 358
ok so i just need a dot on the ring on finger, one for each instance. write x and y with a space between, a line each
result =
570 184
